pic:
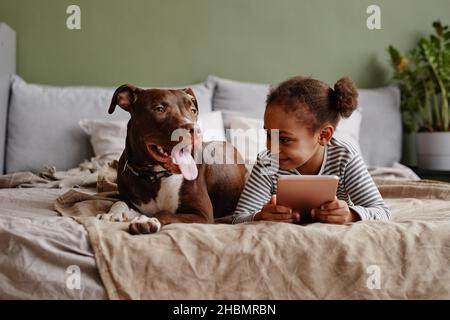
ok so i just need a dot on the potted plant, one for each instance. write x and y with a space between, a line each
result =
423 75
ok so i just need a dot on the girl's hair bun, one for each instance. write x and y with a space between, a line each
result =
346 97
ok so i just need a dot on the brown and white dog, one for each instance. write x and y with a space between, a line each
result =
157 174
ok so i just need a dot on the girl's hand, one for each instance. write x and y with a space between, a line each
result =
336 211
272 212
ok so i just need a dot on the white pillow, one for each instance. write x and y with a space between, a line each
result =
248 136
255 142
211 125
348 129
108 136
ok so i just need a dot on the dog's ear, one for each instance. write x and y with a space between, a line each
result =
124 96
191 95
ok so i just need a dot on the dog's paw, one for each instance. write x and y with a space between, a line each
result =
144 225
119 212
113 217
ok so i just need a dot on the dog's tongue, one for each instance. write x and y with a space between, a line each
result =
186 162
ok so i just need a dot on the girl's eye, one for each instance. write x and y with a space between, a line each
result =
284 140
194 111
159 109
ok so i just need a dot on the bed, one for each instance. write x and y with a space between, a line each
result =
57 176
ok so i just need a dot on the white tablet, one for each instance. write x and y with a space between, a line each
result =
302 193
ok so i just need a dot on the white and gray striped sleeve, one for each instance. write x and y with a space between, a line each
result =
257 192
363 192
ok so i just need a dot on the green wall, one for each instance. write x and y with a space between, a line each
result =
175 42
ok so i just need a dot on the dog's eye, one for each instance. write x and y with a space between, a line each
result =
194 111
159 109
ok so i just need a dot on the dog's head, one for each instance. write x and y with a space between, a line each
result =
164 122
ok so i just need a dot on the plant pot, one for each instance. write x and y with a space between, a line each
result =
409 149
433 150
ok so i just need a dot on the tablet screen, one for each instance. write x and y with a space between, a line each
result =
302 193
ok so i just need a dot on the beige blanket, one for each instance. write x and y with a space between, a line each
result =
406 258
37 246
85 175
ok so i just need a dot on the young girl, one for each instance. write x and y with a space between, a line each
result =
306 112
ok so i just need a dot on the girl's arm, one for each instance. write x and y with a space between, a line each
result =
363 192
257 192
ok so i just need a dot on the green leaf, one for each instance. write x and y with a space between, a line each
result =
438 27
395 55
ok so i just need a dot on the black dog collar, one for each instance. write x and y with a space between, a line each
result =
153 176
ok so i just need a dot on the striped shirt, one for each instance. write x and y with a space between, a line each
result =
342 159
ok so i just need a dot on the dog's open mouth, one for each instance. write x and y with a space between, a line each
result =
179 155
158 152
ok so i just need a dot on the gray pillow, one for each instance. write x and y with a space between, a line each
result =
381 130
43 125
380 134
238 99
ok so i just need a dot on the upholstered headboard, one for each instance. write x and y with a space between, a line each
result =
7 68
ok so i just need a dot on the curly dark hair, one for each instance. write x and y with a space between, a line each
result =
314 102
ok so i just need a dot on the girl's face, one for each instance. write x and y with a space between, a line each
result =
297 146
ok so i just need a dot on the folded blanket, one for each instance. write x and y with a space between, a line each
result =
85 175
406 258
398 171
